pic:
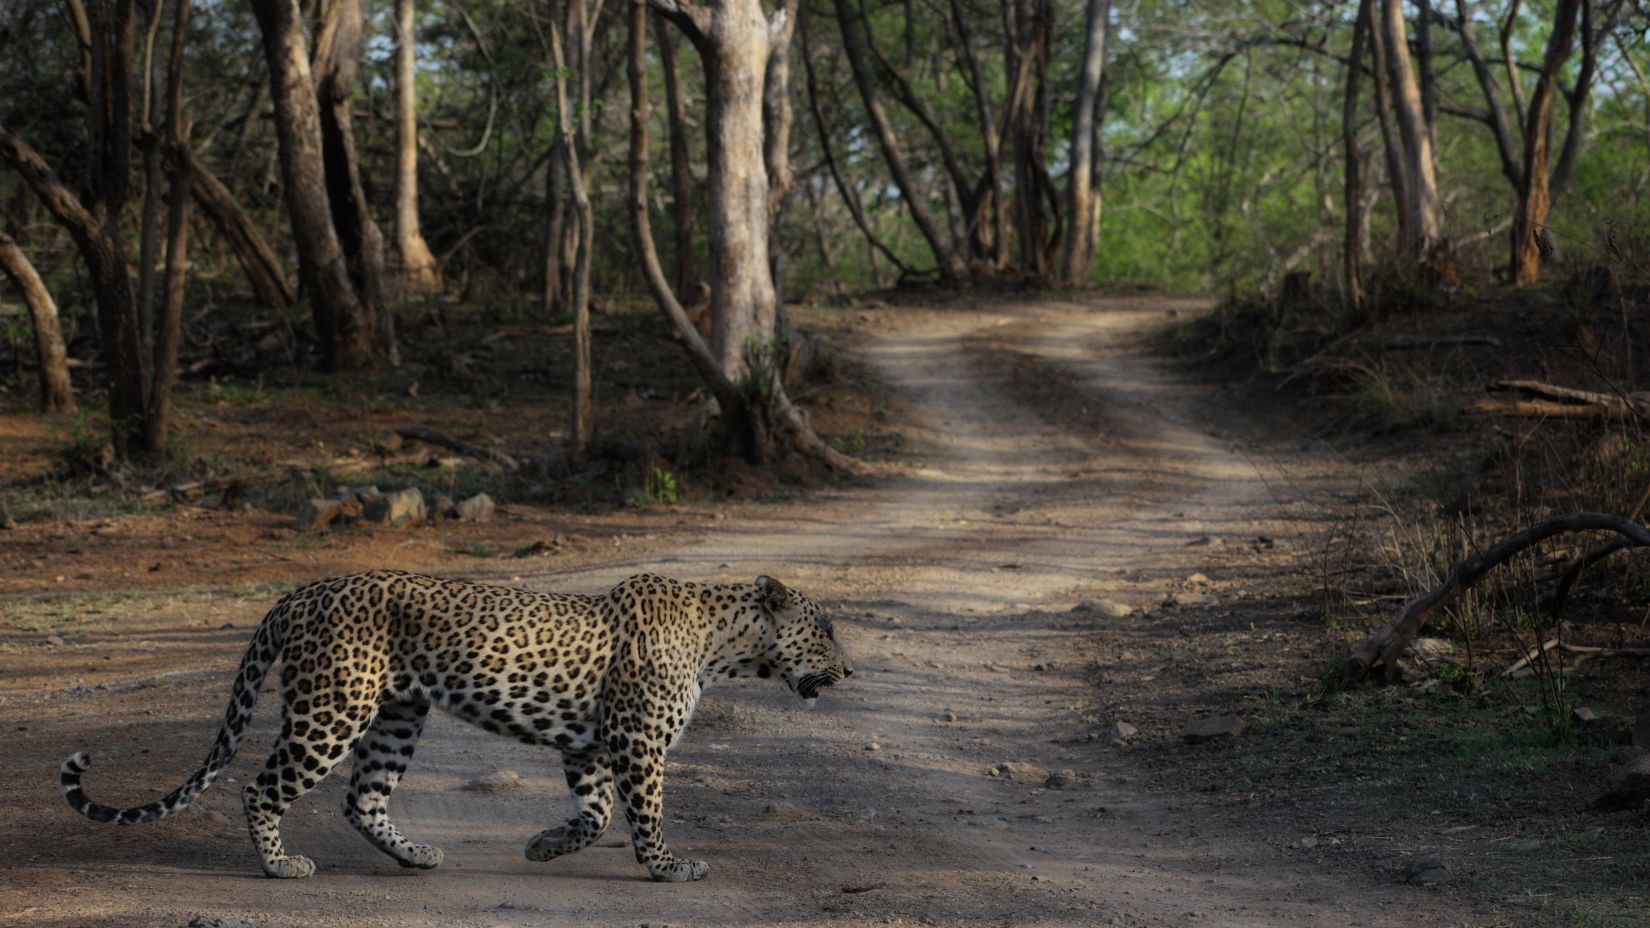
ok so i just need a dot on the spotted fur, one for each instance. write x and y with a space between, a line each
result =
610 681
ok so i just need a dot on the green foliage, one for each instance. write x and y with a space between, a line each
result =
659 489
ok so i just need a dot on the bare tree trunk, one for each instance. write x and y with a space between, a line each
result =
1390 146
1426 245
554 295
1352 287
1530 222
157 423
257 259
417 264
579 434
344 326
736 184
56 392
992 247
945 257
1082 188
681 174
1028 25
337 59
735 43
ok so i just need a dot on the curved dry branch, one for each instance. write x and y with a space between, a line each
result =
1385 645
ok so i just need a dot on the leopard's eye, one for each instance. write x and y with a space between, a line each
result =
825 623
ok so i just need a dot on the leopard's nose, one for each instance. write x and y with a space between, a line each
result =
847 671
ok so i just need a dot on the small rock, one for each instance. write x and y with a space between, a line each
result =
1432 649
400 508
1061 779
1086 607
1526 844
499 782
1213 728
214 817
1583 715
1309 841
316 514
54 640
1204 541
478 508
1113 609
873 746
224 921
950 716
1197 578
1427 871
1121 732
1017 770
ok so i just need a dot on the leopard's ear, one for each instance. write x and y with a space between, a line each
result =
771 590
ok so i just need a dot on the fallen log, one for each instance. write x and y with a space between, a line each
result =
1379 653
1550 401
432 437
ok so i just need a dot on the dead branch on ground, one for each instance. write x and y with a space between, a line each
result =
432 437
1545 400
1378 654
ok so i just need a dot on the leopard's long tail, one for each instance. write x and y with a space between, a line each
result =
243 696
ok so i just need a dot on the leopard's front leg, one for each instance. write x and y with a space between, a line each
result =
640 771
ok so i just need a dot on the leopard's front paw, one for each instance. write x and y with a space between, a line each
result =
290 868
679 870
556 842
421 857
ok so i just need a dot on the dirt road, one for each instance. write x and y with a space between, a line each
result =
1055 466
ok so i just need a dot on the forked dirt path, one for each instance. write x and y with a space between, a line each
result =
1054 465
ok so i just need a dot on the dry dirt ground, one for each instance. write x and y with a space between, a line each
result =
1052 464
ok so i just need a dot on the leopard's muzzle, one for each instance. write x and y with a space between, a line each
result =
809 686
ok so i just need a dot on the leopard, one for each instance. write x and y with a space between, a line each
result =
610 681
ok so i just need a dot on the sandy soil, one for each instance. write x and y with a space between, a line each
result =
1054 465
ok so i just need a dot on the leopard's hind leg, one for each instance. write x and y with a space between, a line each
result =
380 758
590 777
321 724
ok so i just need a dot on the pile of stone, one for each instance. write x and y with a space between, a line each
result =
397 508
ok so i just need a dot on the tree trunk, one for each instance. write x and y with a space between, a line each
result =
1028 25
164 366
56 392
945 257
257 259
735 43
554 295
1388 122
681 174
579 434
1082 188
337 59
1530 222
1352 288
417 264
1426 244
342 323
735 57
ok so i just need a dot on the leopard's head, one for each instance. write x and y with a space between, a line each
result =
804 649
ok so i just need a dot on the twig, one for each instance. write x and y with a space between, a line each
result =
1522 665
1403 342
